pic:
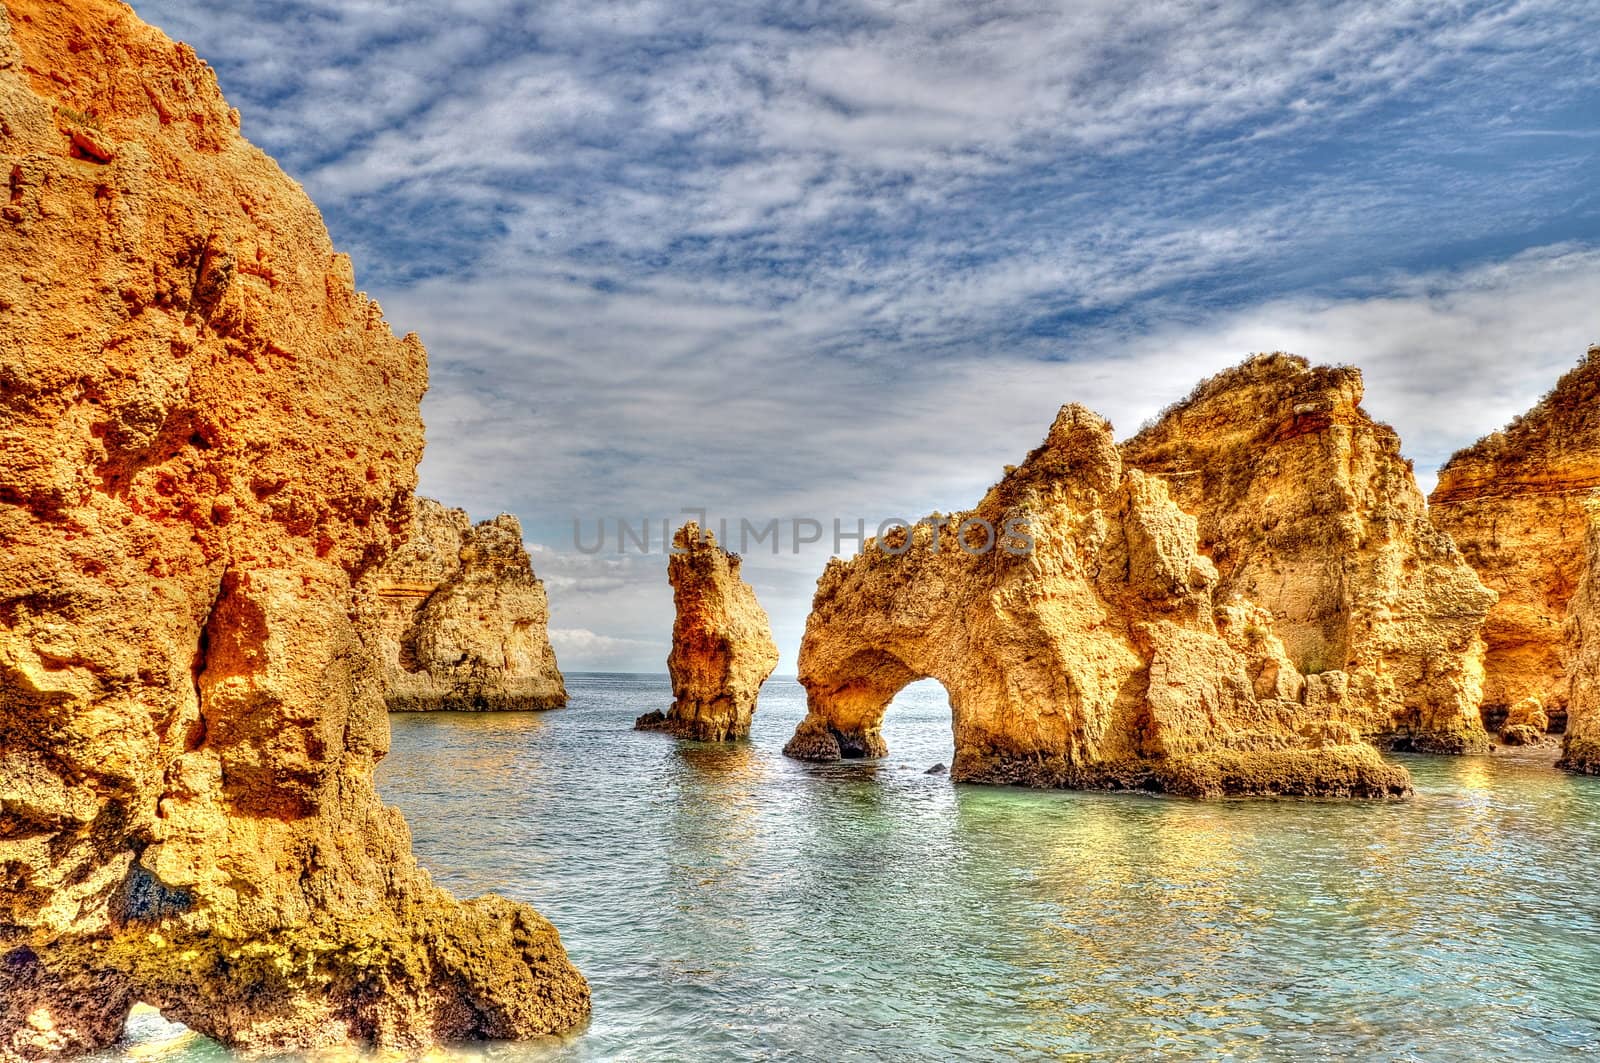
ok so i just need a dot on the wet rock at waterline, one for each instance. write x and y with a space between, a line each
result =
1525 724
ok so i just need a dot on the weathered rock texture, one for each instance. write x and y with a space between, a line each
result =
1525 724
1580 746
208 439
1308 509
722 647
1098 659
465 618
1514 503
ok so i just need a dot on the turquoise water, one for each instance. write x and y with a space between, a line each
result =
728 904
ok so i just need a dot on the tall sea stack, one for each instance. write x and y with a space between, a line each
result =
722 648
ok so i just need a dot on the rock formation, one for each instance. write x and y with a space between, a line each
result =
208 442
1525 723
1097 658
464 618
1514 503
1580 746
1308 509
722 648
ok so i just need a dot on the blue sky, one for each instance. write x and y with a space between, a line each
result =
846 259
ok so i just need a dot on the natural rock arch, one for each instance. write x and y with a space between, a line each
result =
1095 659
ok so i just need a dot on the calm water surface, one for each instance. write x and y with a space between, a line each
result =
728 904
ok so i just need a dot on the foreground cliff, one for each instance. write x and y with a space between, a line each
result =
208 443
1099 657
465 619
722 647
1308 509
1515 503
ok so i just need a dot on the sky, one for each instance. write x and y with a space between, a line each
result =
845 260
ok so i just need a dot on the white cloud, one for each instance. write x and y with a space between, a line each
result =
1448 356
787 260
582 650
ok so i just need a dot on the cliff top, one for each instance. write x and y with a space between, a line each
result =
1561 424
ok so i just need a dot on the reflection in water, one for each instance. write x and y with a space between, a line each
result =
729 904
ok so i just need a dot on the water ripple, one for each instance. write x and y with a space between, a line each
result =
728 904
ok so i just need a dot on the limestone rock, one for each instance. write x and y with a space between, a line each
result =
1514 503
1580 748
1309 510
1525 723
208 442
1094 659
722 647
465 619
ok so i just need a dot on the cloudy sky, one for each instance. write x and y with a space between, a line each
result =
845 259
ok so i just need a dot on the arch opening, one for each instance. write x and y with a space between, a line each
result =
846 706
150 1033
919 725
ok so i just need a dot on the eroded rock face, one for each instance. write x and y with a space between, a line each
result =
1094 660
722 647
1580 746
1308 509
1525 724
1514 503
208 442
465 619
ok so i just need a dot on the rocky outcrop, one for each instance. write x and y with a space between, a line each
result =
464 618
1308 509
208 443
1525 723
1580 746
1096 658
1514 503
722 648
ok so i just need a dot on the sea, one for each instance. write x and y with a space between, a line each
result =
726 903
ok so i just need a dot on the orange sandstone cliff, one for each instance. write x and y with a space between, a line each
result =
722 647
1515 503
1580 747
465 619
1309 510
208 442
1100 657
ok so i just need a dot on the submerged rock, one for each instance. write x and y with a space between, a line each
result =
1514 503
1308 509
1095 659
465 618
722 647
209 442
